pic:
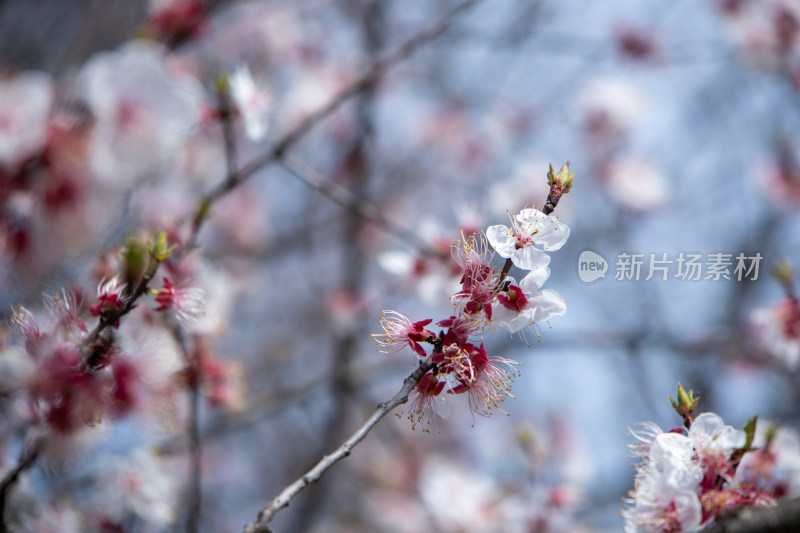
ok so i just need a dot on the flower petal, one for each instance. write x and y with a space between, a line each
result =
548 303
530 258
536 278
552 234
499 236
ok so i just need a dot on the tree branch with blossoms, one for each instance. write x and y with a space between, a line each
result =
78 380
705 473
345 198
455 365
356 87
73 383
282 500
115 300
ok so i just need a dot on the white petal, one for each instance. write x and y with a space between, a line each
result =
548 304
500 239
396 262
552 234
705 425
530 258
535 279
690 512
671 450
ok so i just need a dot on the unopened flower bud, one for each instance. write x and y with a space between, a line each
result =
134 262
686 404
563 180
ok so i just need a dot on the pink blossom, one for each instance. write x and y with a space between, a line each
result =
636 183
109 298
778 331
399 331
610 108
425 403
63 308
66 396
525 305
25 324
175 20
187 304
479 280
475 373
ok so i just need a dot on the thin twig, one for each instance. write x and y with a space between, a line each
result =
194 504
360 84
108 319
226 114
27 458
196 454
282 500
351 202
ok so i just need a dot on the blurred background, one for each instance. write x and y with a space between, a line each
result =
680 119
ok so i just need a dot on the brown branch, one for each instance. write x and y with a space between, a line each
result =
194 504
108 319
782 518
196 454
360 84
282 500
27 458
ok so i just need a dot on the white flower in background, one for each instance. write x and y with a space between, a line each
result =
530 235
155 353
678 472
665 497
765 31
253 102
16 366
658 504
777 331
672 454
637 184
143 113
137 487
457 499
774 466
25 104
433 276
610 107
711 436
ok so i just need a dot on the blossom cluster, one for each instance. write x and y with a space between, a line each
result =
692 474
131 115
776 329
488 300
127 352
767 34
75 376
